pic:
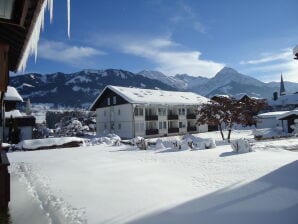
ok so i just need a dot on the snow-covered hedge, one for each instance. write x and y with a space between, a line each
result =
268 133
110 139
187 142
241 145
49 143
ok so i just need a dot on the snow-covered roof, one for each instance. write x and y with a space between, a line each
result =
152 96
13 113
288 113
271 114
12 94
288 99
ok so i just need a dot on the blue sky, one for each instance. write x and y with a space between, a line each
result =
186 36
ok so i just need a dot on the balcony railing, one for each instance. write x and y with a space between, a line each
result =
172 117
173 130
152 132
191 116
192 128
151 117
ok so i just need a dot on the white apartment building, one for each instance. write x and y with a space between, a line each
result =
131 112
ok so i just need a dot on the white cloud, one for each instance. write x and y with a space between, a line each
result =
272 65
284 55
168 56
72 55
172 60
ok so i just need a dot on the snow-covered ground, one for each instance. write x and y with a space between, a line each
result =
119 184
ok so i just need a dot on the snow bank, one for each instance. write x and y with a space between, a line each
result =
109 139
47 143
268 133
241 145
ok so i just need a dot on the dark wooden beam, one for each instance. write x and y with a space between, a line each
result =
4 67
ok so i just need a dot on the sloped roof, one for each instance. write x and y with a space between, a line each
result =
289 113
152 96
272 114
12 94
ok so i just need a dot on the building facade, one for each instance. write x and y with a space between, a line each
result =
131 112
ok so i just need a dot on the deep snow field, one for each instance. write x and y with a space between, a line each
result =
120 184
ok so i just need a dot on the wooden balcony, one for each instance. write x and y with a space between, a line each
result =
191 116
192 128
152 132
151 117
173 130
172 117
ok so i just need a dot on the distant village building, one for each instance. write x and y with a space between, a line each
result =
289 118
14 119
285 101
131 112
271 120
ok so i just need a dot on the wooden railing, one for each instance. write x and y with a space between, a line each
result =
173 130
151 131
192 128
151 117
4 181
172 117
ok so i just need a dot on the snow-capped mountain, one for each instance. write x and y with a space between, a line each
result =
78 88
169 80
229 81
81 88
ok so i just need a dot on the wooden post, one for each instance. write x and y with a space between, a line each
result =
4 163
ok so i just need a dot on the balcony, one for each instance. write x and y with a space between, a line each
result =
192 128
151 117
152 132
172 117
191 116
173 130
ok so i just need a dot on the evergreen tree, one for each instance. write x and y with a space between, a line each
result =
28 107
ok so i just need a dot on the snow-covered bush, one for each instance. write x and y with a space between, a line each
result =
241 145
159 144
140 142
295 127
199 143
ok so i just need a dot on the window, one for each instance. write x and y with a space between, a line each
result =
139 111
114 99
119 112
162 111
105 126
119 126
181 111
109 101
139 127
160 125
181 124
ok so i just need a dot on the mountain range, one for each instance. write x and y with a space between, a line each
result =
81 88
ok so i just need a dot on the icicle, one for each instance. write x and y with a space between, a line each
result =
68 18
31 47
50 8
32 44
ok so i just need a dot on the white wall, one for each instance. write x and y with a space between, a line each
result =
271 122
123 125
